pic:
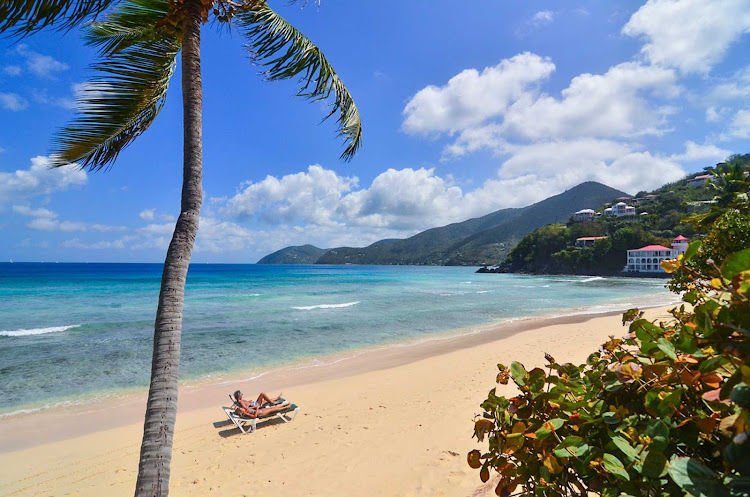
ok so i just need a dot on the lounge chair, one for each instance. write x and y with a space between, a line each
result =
287 416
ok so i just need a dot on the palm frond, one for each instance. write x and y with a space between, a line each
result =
286 53
23 17
136 63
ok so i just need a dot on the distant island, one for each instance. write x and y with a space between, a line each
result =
479 241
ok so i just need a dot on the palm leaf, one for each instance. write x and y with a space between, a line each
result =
135 66
23 17
286 53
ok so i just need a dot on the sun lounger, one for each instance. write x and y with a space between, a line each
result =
287 416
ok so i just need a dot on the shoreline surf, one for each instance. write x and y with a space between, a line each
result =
31 426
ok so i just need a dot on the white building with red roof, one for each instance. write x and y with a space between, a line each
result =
648 259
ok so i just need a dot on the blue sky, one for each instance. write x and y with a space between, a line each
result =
467 108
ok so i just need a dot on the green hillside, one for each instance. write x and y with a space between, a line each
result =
659 214
303 254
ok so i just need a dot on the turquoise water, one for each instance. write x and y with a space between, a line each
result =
70 331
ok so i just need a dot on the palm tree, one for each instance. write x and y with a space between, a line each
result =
138 42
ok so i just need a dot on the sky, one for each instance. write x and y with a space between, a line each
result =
467 108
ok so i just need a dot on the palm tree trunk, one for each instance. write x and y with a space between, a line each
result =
161 410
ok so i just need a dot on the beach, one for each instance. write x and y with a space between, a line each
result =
388 421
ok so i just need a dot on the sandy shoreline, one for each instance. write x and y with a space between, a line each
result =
387 421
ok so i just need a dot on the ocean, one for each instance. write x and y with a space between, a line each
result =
71 333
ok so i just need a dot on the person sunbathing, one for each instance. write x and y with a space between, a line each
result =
261 412
262 399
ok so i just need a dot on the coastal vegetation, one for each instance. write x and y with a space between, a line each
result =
663 411
138 43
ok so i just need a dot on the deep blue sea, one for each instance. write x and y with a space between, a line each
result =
69 332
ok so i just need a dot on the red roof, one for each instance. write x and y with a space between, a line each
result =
591 238
650 247
680 238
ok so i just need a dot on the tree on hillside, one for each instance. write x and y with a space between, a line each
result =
138 42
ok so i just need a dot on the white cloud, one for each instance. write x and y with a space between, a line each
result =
692 35
25 210
597 105
309 197
471 97
609 105
39 64
39 179
12 101
740 127
12 70
539 170
713 114
48 224
693 151
543 17
405 199
147 214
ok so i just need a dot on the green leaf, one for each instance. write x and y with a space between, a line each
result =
548 427
645 330
287 53
735 264
24 17
655 465
615 466
518 373
658 431
572 446
696 479
692 250
741 395
536 380
136 62
631 453
666 347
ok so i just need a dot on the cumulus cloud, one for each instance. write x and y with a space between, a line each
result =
693 151
147 214
38 64
50 224
38 179
691 35
503 103
597 105
740 127
471 97
25 210
405 199
12 101
543 17
306 196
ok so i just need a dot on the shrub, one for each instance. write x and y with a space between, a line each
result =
663 411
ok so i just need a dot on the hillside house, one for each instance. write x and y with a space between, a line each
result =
588 241
584 215
699 180
648 259
620 209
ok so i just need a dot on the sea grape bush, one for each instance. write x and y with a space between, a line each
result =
663 411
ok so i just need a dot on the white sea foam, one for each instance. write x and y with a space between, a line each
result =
36 331
593 278
325 306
